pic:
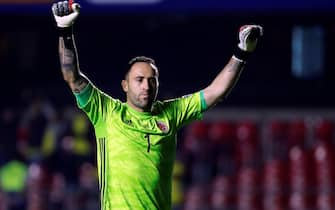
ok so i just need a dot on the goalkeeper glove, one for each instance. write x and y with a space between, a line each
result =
248 37
65 14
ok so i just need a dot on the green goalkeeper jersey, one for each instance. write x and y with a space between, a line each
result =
136 150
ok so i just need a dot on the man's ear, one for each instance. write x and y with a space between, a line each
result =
124 85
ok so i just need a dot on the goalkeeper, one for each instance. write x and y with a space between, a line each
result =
136 139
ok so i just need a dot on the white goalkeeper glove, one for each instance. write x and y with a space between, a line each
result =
65 14
248 36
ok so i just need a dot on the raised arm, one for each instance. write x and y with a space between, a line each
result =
65 15
228 76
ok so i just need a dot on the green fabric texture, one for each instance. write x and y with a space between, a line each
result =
203 101
84 95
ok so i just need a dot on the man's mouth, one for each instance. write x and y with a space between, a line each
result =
145 94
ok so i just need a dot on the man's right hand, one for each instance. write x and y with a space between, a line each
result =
65 14
248 37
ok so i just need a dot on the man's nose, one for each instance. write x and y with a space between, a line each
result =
145 84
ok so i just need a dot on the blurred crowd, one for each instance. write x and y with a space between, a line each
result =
47 162
279 163
47 159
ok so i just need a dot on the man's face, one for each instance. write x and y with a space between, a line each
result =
141 86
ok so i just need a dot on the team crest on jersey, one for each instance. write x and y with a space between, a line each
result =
162 126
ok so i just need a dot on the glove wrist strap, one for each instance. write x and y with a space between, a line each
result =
67 35
241 54
65 32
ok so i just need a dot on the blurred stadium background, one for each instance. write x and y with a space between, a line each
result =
269 145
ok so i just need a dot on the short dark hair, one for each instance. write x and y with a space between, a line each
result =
142 59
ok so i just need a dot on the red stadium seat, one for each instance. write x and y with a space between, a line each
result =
222 140
275 176
276 140
198 130
247 143
248 201
300 201
275 184
221 132
222 196
278 129
247 131
248 180
325 201
196 198
324 167
196 136
324 131
301 170
248 189
297 133
274 201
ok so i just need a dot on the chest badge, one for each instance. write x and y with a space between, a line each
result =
163 126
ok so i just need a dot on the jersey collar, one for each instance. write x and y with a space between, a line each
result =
138 113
